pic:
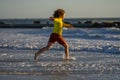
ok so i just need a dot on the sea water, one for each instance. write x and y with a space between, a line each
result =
97 53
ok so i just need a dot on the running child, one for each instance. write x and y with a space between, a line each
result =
56 35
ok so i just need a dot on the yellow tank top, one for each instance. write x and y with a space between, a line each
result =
58 25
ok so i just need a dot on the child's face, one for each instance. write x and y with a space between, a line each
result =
63 16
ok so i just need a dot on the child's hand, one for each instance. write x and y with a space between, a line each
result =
51 18
71 26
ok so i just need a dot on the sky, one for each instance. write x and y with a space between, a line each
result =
73 8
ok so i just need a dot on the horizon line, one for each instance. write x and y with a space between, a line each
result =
68 18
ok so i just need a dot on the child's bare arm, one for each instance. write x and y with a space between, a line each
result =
67 25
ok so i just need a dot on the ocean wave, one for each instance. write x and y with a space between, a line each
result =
115 49
104 40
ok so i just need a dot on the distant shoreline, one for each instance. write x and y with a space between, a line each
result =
45 22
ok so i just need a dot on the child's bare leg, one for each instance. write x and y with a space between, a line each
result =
66 51
42 50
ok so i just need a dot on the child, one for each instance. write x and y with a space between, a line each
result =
56 35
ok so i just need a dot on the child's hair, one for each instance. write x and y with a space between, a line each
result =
58 13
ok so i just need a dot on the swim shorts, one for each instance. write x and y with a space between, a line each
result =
57 38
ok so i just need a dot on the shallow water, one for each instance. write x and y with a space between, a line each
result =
19 64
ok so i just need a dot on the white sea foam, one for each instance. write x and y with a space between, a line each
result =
102 40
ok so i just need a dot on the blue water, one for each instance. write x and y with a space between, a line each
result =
71 20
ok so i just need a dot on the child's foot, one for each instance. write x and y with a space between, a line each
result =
36 56
70 58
